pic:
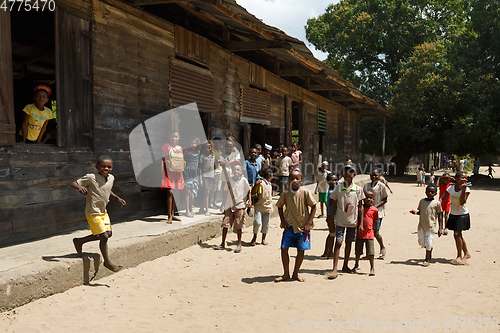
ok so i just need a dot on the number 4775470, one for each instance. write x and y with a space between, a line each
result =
22 5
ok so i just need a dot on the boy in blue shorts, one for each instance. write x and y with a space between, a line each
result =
97 189
296 221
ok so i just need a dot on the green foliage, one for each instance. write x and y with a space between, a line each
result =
434 64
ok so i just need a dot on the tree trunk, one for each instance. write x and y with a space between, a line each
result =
401 161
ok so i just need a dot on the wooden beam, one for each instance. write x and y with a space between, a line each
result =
138 3
256 45
343 98
293 72
319 87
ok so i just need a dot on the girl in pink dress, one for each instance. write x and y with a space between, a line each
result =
172 178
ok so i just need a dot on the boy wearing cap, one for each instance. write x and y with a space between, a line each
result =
36 116
347 198
322 186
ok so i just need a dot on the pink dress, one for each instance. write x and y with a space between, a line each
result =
171 180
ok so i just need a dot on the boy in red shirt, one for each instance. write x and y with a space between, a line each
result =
444 182
366 234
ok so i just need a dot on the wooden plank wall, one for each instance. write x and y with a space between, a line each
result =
131 52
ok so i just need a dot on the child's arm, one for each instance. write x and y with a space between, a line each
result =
444 197
283 223
464 195
26 120
120 200
82 189
249 199
440 219
42 131
330 219
381 203
307 227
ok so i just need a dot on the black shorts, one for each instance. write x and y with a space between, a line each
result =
458 222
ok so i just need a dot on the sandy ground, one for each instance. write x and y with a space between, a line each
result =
200 289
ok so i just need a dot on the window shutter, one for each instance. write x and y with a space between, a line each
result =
321 121
255 106
7 121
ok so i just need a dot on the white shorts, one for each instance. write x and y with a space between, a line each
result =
425 239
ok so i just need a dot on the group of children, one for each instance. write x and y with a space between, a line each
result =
354 214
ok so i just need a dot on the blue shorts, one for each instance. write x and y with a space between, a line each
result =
301 240
379 223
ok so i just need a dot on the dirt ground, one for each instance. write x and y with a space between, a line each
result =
200 289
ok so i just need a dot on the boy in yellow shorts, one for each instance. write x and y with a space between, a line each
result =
97 188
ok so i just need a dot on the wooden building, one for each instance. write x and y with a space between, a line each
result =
113 64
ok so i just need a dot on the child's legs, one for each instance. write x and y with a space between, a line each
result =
350 236
298 262
322 208
285 260
329 245
257 222
103 245
187 191
358 250
224 234
239 220
339 234
457 234
347 254
266 217
378 236
428 255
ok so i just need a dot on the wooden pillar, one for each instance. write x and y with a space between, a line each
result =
383 143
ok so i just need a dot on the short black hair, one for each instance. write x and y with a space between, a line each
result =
104 158
266 172
330 176
349 168
431 186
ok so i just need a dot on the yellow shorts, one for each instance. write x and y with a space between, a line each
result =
98 223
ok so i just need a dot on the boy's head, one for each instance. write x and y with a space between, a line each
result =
207 147
285 151
267 150
236 167
445 178
295 179
431 191
259 149
41 96
324 165
267 173
375 175
253 154
368 200
216 142
229 147
332 180
348 173
104 165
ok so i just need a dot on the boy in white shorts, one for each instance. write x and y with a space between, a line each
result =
429 210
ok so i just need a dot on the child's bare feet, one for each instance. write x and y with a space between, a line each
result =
445 232
467 256
78 246
372 272
425 264
347 270
356 268
458 262
264 242
113 267
383 252
175 218
284 277
208 213
332 275
170 218
297 277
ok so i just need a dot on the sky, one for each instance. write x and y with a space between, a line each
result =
289 15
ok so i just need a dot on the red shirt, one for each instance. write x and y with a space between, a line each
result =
369 215
445 205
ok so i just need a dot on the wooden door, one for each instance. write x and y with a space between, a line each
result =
7 122
74 80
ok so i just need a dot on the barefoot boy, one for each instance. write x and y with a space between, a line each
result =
235 202
429 210
264 205
379 191
366 233
296 222
347 197
97 189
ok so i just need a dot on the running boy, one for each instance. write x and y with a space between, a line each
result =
97 188
322 186
366 234
236 200
263 190
296 222
347 198
429 210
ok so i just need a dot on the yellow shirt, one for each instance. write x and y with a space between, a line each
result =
296 208
99 191
36 120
